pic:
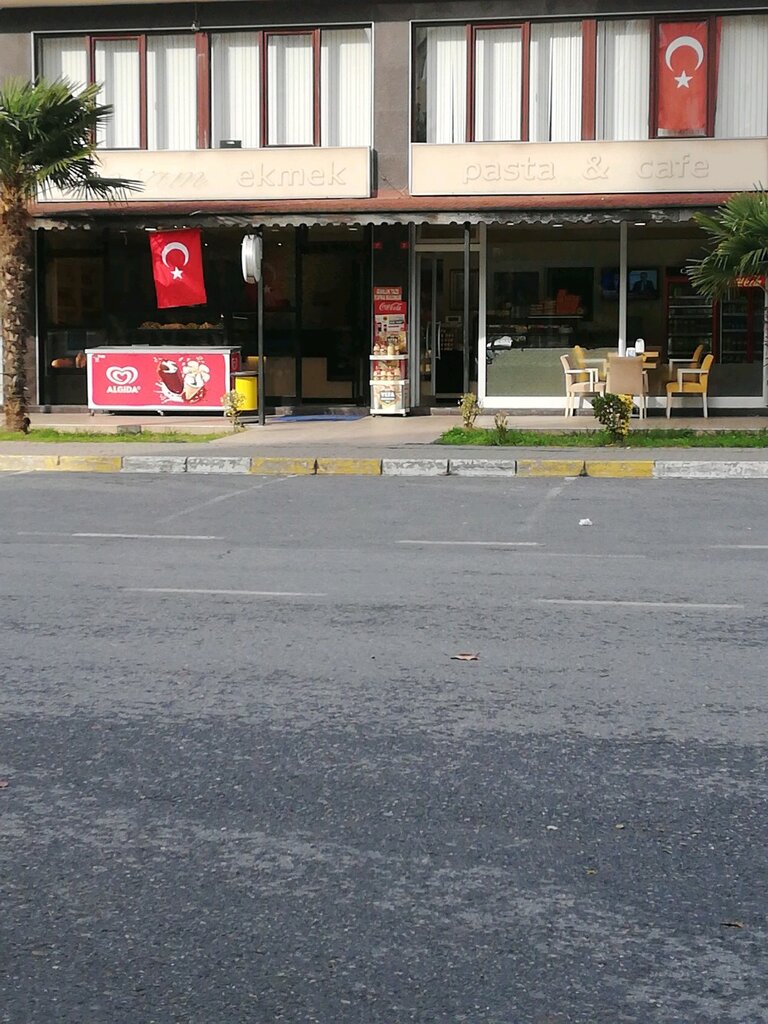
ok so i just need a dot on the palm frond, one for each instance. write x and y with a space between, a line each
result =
737 239
48 133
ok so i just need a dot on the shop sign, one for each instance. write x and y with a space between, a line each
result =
588 168
236 174
160 379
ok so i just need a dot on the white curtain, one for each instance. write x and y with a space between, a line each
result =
446 72
555 82
623 79
290 85
498 84
65 57
742 77
117 69
345 87
171 92
235 87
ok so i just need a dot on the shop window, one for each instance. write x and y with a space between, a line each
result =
345 87
290 90
117 65
171 92
441 84
623 79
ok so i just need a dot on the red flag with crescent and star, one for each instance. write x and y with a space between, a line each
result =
177 266
682 80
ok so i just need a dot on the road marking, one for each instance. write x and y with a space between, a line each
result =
223 497
225 593
121 536
739 547
641 604
474 543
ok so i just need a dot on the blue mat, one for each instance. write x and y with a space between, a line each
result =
313 419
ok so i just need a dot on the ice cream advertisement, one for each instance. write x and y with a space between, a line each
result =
159 379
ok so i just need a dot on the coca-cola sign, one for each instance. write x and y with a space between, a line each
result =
382 306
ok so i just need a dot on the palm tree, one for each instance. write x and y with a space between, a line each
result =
48 137
738 251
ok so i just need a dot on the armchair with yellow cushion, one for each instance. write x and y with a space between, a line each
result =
691 380
580 383
580 361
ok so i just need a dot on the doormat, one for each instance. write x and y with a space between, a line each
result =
314 419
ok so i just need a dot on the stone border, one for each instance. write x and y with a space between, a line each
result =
618 469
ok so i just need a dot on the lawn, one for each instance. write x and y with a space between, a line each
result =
599 438
142 437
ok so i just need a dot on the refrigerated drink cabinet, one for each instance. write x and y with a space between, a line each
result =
690 319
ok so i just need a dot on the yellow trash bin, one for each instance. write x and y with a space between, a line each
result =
247 385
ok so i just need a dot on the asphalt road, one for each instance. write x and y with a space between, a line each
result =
246 782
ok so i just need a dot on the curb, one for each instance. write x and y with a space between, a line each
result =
618 469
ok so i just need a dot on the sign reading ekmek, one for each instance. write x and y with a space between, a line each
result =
589 168
232 174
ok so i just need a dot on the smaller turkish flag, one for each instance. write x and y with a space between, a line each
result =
682 63
177 266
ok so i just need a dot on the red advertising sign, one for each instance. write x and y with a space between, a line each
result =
683 64
169 378
387 293
388 306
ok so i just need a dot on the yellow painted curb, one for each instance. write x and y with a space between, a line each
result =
90 463
637 469
349 467
283 467
27 463
550 467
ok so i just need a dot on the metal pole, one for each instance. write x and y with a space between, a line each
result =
467 241
623 288
260 336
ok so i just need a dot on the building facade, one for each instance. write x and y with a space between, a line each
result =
526 180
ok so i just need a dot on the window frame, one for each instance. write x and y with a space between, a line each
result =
589 84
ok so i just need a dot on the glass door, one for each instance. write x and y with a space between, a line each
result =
447 355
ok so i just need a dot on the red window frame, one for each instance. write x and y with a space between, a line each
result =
589 30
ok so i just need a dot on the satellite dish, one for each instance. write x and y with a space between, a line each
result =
250 254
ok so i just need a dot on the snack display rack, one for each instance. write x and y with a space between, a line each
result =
389 359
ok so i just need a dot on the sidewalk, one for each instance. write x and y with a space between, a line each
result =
376 446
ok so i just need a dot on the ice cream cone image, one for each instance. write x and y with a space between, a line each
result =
196 376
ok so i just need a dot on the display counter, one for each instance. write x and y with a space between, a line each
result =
160 378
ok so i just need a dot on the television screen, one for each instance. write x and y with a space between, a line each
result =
643 284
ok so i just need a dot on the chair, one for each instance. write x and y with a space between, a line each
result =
697 383
692 363
580 362
580 382
626 376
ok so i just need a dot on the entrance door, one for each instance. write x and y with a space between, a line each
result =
447 359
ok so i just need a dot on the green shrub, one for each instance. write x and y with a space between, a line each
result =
470 409
500 427
613 412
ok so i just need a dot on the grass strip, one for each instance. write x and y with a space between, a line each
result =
48 434
660 438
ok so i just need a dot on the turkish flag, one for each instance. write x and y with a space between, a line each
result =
682 78
177 266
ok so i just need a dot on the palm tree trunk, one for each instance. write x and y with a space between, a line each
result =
16 292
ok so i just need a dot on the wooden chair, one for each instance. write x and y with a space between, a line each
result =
691 380
580 383
626 376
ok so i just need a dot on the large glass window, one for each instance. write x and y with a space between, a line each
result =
555 82
623 79
318 86
117 66
498 84
235 92
441 88
742 81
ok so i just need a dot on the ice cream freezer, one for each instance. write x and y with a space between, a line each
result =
160 378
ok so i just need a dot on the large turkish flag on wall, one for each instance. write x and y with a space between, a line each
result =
177 266
682 78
